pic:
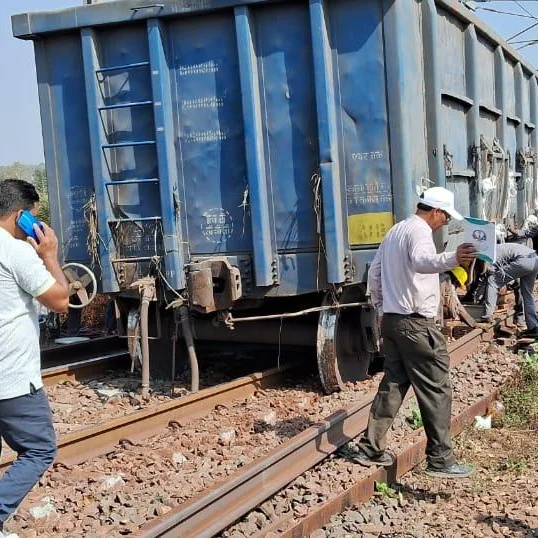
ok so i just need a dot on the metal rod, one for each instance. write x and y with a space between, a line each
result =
189 341
231 319
149 6
133 260
131 181
144 333
129 144
135 219
122 67
126 105
174 342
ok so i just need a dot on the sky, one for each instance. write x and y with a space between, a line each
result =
20 135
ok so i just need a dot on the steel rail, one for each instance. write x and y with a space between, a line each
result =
364 489
219 506
85 368
81 445
59 355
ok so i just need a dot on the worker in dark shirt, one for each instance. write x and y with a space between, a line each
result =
529 231
514 262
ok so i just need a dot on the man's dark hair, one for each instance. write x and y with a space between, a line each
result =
424 207
16 194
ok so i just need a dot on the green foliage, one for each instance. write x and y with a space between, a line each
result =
520 398
384 489
416 419
18 170
515 466
34 174
531 360
42 187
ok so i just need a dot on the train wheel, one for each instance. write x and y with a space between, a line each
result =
341 352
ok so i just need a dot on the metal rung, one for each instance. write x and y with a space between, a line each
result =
135 259
122 67
138 219
131 181
126 105
127 144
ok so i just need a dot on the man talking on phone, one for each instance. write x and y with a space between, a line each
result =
29 268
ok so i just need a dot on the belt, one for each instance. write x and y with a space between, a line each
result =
412 315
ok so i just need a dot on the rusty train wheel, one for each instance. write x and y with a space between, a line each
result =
341 355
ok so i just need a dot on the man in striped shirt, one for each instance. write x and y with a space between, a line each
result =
28 269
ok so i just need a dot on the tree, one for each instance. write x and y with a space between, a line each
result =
39 178
17 170
35 174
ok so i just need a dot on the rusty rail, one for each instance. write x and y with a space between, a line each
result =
90 442
58 355
364 489
214 509
85 368
81 445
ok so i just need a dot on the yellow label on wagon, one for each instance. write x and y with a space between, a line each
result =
369 228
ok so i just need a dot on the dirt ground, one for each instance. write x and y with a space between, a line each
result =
500 499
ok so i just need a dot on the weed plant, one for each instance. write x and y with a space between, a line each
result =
415 420
520 398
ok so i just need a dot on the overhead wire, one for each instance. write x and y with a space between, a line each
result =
524 9
521 33
530 43
526 15
522 42
504 12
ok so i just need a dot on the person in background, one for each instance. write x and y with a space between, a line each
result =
514 262
529 231
28 269
404 288
513 235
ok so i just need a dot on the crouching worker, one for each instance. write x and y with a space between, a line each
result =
404 287
29 269
514 261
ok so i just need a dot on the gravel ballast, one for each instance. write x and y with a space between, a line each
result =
500 499
485 370
116 494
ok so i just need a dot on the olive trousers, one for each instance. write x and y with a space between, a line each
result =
415 355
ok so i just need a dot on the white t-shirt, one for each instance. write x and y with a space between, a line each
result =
23 276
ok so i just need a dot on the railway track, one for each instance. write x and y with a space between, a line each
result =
58 355
364 489
208 511
81 445
214 509
85 368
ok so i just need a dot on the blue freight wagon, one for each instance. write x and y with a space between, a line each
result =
216 160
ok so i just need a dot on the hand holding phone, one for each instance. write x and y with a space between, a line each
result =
26 223
46 242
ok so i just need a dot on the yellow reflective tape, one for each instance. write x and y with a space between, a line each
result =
369 228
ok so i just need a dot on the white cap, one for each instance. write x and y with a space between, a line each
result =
440 198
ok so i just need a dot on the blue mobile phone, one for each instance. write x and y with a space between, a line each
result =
26 223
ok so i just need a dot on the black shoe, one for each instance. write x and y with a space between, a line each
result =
485 319
383 460
456 470
529 333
